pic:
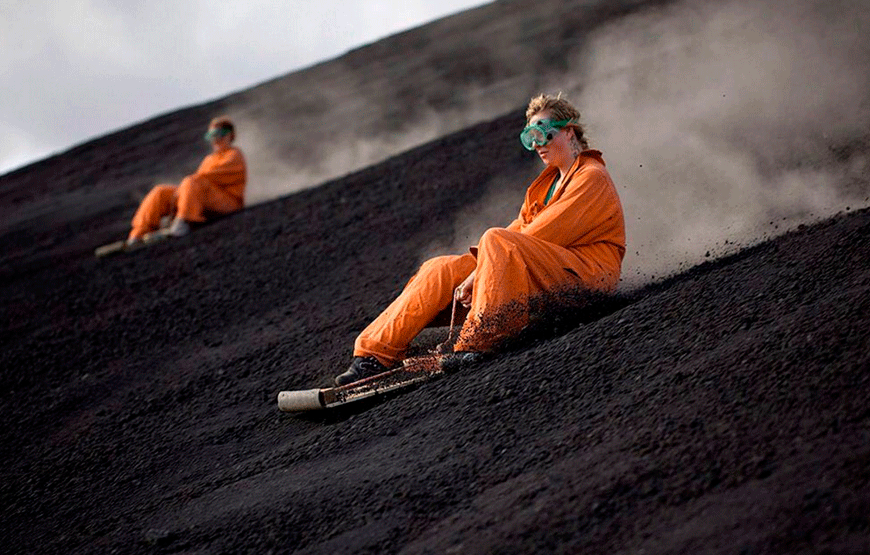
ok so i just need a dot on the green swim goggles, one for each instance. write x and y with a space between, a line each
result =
215 133
542 132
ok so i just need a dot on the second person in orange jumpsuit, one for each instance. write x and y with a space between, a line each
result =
217 187
570 233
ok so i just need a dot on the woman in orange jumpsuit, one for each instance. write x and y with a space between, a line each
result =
569 234
217 187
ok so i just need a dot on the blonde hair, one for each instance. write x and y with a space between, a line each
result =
225 123
559 109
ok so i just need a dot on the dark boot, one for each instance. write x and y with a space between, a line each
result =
360 368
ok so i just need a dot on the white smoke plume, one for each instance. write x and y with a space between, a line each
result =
497 206
332 151
717 121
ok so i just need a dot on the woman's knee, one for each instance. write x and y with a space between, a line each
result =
438 264
497 238
499 234
161 191
448 267
190 185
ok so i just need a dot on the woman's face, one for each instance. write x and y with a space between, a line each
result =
218 141
558 151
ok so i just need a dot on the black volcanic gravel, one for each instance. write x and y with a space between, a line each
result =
724 410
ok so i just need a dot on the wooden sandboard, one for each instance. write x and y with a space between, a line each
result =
413 371
121 246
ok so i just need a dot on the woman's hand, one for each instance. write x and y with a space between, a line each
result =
463 292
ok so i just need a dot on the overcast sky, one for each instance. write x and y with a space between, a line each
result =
75 69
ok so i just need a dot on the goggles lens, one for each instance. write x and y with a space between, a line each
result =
215 133
541 132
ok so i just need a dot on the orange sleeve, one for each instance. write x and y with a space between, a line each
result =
585 210
226 170
582 214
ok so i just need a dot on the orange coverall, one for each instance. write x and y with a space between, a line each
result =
577 239
218 187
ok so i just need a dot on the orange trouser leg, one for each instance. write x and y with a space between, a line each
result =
427 293
511 267
159 202
196 196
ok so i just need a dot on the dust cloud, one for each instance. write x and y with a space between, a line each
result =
269 174
302 154
499 203
722 123
725 123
